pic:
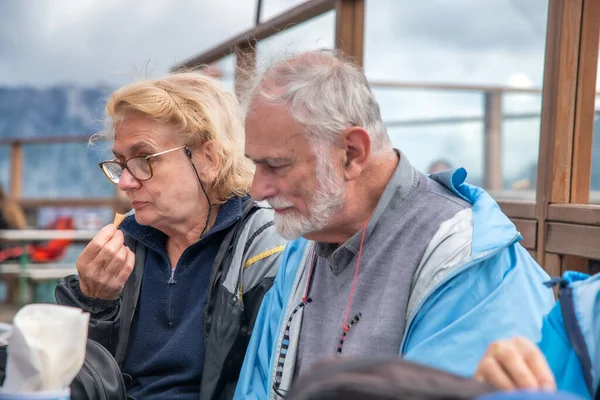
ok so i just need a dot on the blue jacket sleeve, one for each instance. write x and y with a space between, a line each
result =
255 377
498 298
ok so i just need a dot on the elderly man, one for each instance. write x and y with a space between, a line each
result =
386 260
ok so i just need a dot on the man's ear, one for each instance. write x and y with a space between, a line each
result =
211 161
357 146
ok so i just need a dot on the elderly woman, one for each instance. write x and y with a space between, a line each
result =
174 291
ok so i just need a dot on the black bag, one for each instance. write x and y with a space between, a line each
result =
98 379
387 379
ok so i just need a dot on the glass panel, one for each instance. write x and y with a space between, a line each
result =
225 70
273 8
426 146
66 170
430 134
317 33
5 169
459 56
520 147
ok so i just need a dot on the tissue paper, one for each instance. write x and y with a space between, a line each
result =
46 349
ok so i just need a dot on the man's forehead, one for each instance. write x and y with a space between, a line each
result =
271 150
272 125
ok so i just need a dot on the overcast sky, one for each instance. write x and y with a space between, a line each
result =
498 42
91 41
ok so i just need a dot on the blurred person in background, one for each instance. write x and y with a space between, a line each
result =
11 214
438 165
174 290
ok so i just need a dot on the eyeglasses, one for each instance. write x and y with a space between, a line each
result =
139 167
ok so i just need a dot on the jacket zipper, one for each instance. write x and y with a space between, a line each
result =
216 278
574 332
459 270
171 282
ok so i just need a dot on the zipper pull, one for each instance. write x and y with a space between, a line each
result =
557 280
172 278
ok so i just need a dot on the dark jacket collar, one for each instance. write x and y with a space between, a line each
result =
229 213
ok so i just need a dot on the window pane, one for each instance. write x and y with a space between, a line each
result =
225 69
439 143
430 134
472 60
521 131
317 33
65 170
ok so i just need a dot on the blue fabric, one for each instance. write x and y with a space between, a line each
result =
255 376
166 349
495 298
571 335
498 294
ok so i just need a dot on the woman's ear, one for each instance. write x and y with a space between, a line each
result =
211 161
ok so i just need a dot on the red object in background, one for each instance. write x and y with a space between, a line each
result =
53 250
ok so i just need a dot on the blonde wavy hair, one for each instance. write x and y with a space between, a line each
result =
200 110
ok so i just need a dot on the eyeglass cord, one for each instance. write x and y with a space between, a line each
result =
306 300
210 205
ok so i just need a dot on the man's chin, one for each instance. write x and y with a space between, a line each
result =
287 234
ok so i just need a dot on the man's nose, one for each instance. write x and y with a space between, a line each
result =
262 186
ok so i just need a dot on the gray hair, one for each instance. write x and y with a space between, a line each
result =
325 93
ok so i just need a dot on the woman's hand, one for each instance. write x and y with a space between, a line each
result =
105 264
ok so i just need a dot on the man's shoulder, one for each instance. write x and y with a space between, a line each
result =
440 195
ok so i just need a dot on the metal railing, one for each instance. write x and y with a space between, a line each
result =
33 276
492 117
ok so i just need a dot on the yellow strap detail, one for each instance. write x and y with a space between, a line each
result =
263 255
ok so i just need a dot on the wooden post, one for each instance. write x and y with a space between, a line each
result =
350 29
492 152
16 170
585 103
557 119
583 136
245 66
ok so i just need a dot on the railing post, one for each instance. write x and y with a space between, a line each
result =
492 152
350 28
559 99
16 170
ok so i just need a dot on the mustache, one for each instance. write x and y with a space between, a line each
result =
277 202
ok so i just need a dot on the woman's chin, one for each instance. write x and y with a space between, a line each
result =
143 218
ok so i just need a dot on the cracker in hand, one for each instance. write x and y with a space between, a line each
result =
118 219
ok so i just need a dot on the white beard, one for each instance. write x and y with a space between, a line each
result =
328 199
